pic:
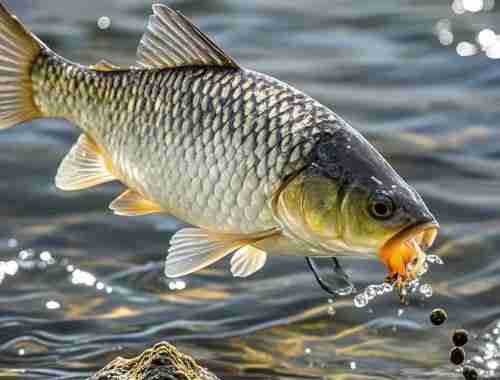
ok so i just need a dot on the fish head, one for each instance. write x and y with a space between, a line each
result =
349 200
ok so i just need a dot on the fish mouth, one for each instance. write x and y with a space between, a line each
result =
404 253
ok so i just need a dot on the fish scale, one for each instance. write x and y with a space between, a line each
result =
208 145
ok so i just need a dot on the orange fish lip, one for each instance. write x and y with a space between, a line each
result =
398 251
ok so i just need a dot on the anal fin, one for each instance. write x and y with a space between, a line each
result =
83 167
131 203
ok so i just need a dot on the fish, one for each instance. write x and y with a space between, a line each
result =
254 165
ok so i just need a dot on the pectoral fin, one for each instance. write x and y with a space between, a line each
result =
192 249
247 261
85 166
131 203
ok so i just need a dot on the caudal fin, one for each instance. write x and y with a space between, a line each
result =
18 51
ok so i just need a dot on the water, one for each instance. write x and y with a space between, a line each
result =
380 64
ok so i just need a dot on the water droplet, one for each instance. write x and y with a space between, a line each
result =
52 305
370 292
10 267
12 243
466 49
493 365
473 5
104 22
458 7
426 290
434 259
331 311
46 257
26 254
360 301
80 277
380 289
70 268
180 285
345 291
486 38
388 288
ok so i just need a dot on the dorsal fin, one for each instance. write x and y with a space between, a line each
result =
173 41
103 65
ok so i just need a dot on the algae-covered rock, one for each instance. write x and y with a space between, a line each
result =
162 362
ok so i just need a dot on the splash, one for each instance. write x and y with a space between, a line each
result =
425 290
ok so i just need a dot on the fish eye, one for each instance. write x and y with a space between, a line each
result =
381 207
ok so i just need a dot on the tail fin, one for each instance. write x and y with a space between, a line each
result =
18 51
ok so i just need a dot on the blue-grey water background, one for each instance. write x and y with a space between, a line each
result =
80 286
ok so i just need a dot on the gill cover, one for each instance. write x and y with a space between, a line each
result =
307 206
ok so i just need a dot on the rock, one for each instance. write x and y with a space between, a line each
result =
162 362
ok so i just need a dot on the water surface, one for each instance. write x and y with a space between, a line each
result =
83 286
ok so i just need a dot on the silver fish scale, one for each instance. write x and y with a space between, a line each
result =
209 145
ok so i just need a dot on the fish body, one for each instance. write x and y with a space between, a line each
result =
210 145
255 165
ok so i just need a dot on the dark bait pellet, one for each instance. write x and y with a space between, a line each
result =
460 338
457 355
470 373
438 317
